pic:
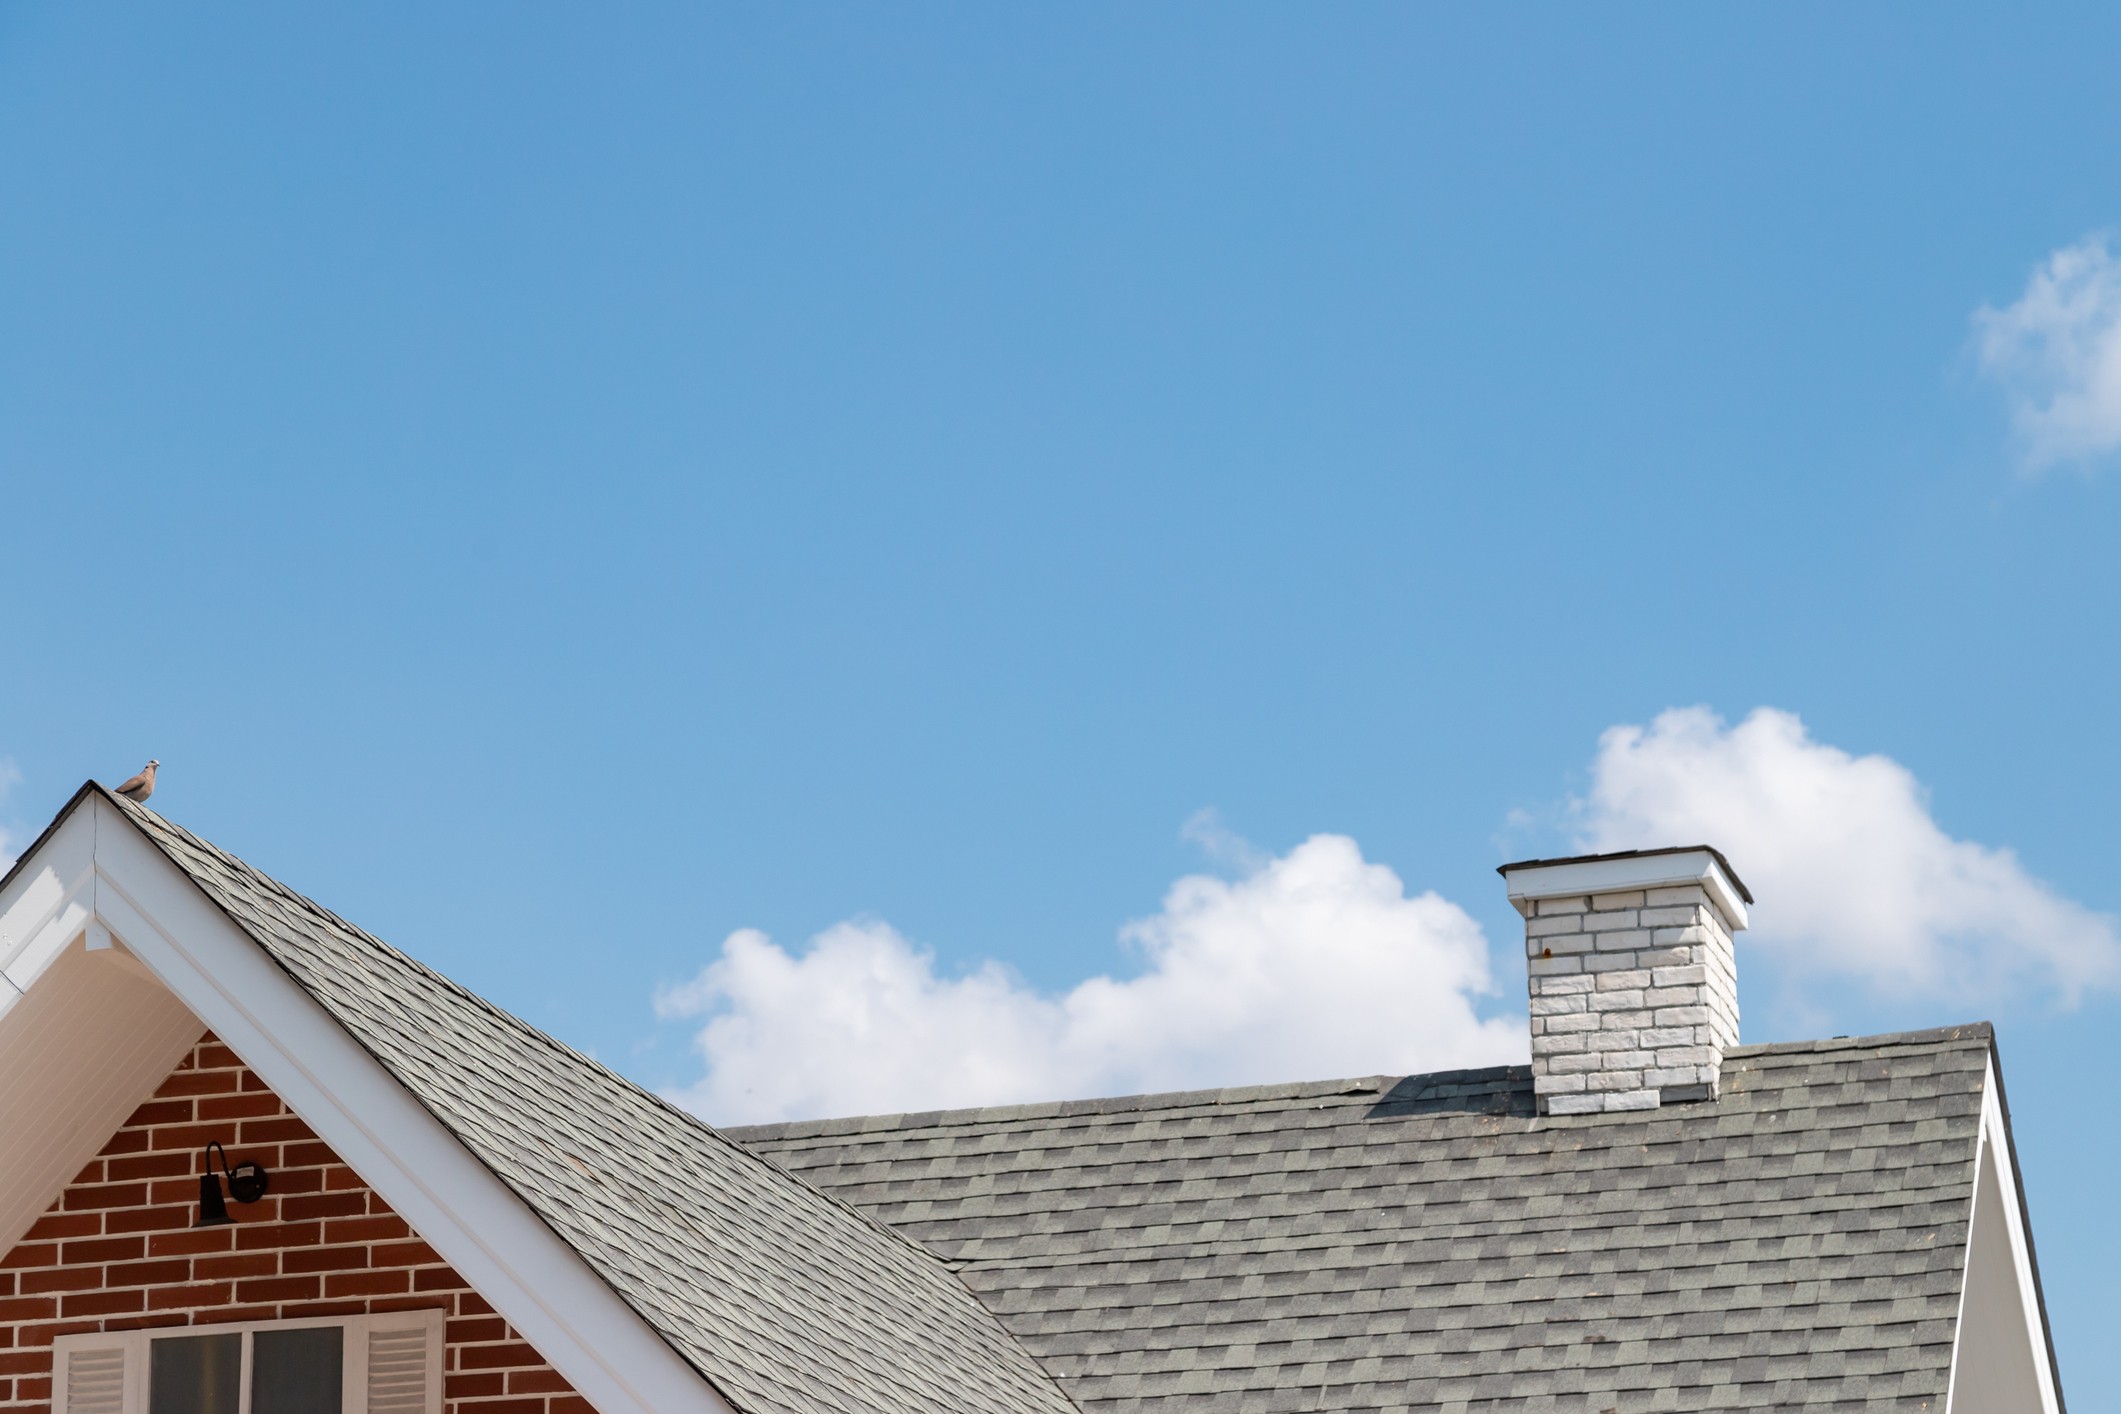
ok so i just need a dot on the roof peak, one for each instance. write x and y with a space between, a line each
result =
695 1255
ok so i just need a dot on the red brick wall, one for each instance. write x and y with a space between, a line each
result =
118 1251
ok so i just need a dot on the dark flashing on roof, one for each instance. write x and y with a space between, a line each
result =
1709 849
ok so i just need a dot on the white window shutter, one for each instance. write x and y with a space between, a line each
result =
94 1375
404 1363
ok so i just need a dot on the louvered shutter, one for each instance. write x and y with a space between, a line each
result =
404 1374
93 1374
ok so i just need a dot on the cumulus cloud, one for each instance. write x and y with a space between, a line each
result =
2057 354
1313 964
1854 876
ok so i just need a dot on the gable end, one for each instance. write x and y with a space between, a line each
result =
117 1252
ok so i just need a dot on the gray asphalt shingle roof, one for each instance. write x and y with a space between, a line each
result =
1428 1243
788 1301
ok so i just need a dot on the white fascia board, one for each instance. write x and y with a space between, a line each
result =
1995 1142
562 1307
48 904
1642 871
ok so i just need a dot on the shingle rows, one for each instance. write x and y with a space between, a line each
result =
1796 1245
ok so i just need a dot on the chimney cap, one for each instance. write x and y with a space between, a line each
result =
1530 879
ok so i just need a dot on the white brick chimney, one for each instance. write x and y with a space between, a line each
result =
1634 986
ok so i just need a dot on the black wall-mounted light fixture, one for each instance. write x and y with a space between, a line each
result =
246 1184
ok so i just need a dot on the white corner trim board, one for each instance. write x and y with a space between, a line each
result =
2002 1361
535 1280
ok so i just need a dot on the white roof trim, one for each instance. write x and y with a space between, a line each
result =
1995 1147
84 1034
542 1286
1527 883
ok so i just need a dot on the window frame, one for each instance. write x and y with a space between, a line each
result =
353 1372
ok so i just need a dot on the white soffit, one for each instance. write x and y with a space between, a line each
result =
84 1035
106 945
1562 878
80 1050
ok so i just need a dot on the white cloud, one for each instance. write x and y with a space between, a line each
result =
1853 875
1313 965
1317 963
2057 353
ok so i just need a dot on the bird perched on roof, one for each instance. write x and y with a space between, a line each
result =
140 787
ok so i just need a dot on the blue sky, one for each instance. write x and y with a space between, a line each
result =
603 497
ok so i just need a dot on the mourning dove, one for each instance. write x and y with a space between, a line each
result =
140 787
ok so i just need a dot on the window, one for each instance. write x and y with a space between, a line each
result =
386 1364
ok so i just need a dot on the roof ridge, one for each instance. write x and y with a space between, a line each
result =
1292 1090
1114 1104
1964 1031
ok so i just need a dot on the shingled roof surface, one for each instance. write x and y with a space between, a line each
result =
787 1301
1429 1244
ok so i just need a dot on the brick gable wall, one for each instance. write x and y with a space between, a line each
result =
118 1251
